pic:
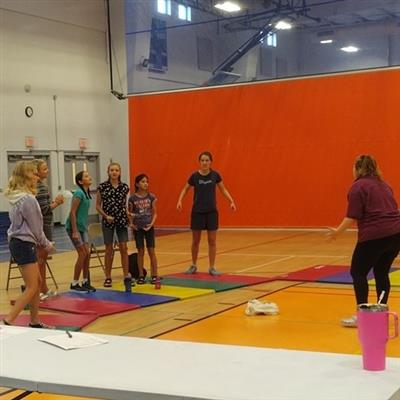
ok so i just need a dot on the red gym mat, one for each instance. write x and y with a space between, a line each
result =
229 278
85 306
312 274
71 321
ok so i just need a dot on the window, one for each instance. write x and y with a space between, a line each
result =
271 39
164 6
184 12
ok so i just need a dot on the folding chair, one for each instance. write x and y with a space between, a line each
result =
95 234
13 265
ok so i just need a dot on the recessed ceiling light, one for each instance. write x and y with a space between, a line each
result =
326 41
282 25
228 6
350 49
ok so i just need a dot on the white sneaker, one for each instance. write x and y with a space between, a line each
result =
350 322
256 307
48 294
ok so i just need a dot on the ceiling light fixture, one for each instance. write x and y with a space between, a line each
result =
228 6
283 25
350 49
326 41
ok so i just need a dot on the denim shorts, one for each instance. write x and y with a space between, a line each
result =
83 238
108 234
23 252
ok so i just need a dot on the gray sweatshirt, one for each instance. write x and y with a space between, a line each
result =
26 218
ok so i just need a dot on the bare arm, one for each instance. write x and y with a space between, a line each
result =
227 195
181 196
99 207
344 225
154 212
72 215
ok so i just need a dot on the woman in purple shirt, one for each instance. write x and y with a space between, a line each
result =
371 203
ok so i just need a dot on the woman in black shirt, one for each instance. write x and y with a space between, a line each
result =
204 211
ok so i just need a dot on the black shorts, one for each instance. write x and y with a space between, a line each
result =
141 235
23 252
204 221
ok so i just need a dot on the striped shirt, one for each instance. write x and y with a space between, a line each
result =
43 198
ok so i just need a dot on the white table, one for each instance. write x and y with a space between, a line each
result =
147 369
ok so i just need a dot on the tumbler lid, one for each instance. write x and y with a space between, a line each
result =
371 307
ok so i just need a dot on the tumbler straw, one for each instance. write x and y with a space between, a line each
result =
381 297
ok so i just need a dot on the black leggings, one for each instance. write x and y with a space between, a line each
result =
379 255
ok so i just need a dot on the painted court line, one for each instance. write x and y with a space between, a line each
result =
263 265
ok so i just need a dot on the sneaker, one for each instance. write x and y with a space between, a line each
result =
350 322
191 270
154 279
213 272
49 293
128 284
141 280
77 288
41 325
88 287
256 307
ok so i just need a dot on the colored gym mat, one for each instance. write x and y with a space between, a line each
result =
394 278
228 278
143 300
60 321
313 274
13 394
166 290
85 305
198 284
345 277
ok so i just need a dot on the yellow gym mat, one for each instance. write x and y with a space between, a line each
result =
39 396
171 291
309 320
394 279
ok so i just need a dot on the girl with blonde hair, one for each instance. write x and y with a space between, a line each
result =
24 235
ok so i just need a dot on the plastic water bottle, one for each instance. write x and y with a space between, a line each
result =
157 285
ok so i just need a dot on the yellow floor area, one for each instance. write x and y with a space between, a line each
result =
38 396
308 320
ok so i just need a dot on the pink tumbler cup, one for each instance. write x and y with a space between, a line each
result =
373 332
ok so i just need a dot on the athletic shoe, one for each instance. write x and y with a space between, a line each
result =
88 287
350 322
41 325
128 284
77 288
255 307
48 294
191 270
141 280
213 272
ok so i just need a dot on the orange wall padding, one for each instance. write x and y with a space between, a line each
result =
284 149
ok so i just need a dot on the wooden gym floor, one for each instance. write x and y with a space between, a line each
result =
310 313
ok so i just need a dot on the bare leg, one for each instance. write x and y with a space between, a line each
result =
212 247
153 261
196 237
42 257
86 262
123 249
31 276
80 262
140 260
108 260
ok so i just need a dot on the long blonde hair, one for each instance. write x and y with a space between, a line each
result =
365 165
20 179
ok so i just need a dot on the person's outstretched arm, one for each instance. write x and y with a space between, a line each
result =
181 196
227 195
344 225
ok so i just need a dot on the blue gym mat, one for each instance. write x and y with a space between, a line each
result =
144 300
